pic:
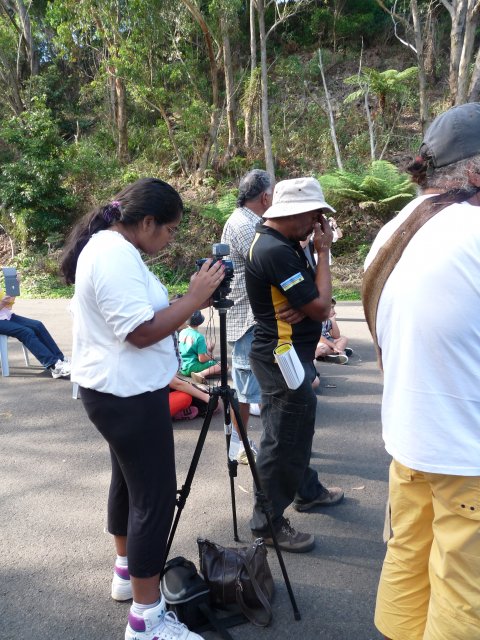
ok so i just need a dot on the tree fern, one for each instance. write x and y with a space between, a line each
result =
220 210
381 190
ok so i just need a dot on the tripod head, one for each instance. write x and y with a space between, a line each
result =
219 296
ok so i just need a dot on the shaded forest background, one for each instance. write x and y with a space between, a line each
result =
95 94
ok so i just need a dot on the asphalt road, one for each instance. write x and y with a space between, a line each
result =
56 559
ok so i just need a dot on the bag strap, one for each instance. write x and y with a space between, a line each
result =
252 614
389 254
216 623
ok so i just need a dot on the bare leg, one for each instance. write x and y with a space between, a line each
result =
120 545
341 343
145 590
244 410
214 370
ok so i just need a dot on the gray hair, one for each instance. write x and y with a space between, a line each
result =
454 175
252 185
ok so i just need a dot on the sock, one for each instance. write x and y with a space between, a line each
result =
235 444
121 561
138 609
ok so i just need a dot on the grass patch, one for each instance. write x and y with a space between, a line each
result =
344 295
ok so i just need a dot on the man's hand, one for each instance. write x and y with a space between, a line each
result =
286 313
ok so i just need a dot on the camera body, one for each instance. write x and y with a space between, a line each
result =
219 251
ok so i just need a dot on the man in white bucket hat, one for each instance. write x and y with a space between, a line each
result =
279 275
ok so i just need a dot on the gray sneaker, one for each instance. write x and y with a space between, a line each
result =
337 358
291 540
328 498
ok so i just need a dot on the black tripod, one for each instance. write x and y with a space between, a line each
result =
229 400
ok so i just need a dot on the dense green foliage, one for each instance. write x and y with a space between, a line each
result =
34 204
95 94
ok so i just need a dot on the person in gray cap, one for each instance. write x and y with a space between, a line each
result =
426 324
277 275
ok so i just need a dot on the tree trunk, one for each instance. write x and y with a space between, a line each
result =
29 45
331 119
121 120
422 76
471 22
474 90
12 86
229 89
430 47
267 140
171 136
458 12
215 111
250 97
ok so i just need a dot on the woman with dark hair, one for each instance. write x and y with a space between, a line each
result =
123 358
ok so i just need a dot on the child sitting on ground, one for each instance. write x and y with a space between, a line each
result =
196 353
332 346
188 401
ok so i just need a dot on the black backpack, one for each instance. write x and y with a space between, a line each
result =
186 594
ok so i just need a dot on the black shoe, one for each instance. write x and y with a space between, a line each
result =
291 540
348 351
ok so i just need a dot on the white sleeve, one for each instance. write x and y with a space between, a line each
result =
120 281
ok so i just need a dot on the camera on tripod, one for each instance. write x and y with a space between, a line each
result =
219 251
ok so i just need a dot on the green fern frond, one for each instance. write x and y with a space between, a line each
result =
222 209
398 200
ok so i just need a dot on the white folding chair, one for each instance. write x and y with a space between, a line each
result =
4 355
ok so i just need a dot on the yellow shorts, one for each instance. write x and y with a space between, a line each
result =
430 583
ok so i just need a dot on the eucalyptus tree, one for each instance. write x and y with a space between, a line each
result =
19 58
103 28
282 11
415 18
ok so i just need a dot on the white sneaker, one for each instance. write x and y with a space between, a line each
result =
254 409
57 369
121 585
156 624
66 368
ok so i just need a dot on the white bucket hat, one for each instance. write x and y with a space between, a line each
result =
298 195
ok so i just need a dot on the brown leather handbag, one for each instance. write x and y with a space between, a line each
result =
239 575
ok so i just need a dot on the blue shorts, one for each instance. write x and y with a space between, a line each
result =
244 382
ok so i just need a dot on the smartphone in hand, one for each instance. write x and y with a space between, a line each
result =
12 286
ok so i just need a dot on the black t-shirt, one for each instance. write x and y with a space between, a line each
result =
276 272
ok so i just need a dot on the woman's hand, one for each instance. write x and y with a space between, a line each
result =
204 282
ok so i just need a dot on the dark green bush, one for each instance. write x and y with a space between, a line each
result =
34 203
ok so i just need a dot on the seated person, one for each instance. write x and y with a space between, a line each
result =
196 354
332 346
187 401
34 335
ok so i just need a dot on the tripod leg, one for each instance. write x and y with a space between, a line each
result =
232 464
265 504
184 492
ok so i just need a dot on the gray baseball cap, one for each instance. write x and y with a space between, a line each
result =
453 136
298 195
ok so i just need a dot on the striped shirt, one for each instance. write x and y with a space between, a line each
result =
238 232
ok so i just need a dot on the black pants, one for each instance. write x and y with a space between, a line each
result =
283 459
142 493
